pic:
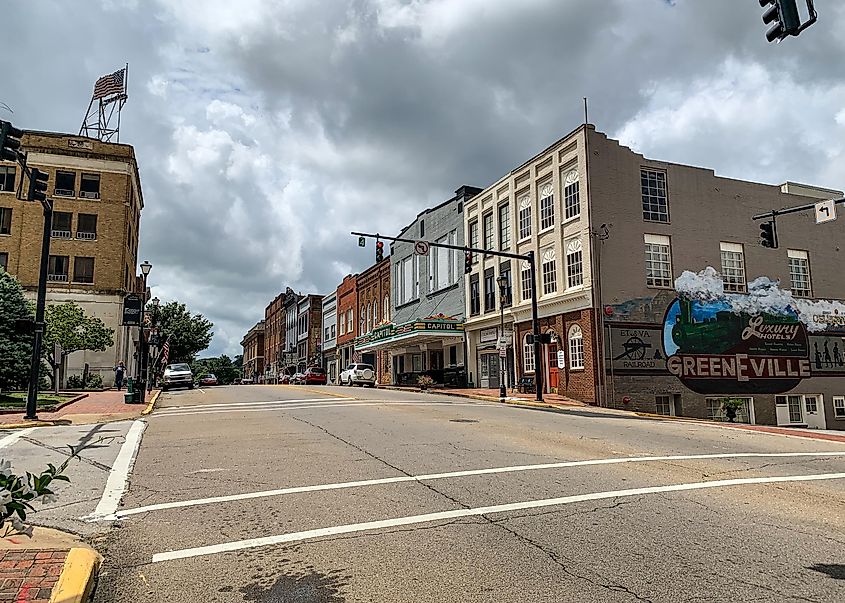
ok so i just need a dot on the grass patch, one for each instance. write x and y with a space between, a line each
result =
46 402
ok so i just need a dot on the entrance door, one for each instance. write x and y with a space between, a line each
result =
494 370
484 372
814 411
553 370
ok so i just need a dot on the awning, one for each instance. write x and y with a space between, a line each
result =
419 331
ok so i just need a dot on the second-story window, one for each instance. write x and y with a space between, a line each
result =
525 280
488 231
658 261
504 227
574 264
473 238
571 195
653 188
7 178
57 266
5 220
65 184
61 224
474 295
547 206
86 226
733 267
799 273
549 271
89 186
83 270
489 290
524 217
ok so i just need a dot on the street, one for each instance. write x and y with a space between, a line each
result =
293 493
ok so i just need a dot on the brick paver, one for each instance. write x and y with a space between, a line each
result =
29 575
107 404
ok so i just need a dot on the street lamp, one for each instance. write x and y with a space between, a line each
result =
502 281
145 350
153 330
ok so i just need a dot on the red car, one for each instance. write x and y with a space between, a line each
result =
315 375
284 379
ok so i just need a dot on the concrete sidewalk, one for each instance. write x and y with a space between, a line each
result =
492 395
96 407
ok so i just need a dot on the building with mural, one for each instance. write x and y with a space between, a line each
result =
426 333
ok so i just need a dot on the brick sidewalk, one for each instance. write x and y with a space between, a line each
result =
30 574
107 405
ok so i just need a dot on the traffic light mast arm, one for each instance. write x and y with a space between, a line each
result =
503 254
790 210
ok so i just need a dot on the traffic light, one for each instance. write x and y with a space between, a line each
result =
10 141
769 235
379 251
467 262
784 15
37 185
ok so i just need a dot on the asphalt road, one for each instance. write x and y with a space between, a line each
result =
762 521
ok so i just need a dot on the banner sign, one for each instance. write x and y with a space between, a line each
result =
132 306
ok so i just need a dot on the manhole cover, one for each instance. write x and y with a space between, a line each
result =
463 421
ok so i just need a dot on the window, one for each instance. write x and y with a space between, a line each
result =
525 280
61 224
571 199
474 296
717 413
4 260
576 347
86 226
369 318
57 266
422 228
489 290
416 363
5 220
473 238
662 405
811 403
658 261
441 265
574 264
407 285
527 354
83 270
505 271
386 313
799 273
350 320
655 206
89 186
488 230
362 319
733 267
838 406
547 206
7 178
453 355
794 404
524 217
341 329
375 313
504 227
549 271
333 332
65 184
327 336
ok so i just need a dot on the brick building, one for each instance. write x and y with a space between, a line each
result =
253 346
97 196
290 355
374 309
309 327
347 329
274 337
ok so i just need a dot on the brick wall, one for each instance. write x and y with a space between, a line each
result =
347 298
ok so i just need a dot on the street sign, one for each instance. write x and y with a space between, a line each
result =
503 353
362 242
825 211
421 247
561 360
502 343
132 305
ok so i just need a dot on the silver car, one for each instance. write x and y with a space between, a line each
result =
358 374
177 375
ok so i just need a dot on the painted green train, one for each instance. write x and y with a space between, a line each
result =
715 335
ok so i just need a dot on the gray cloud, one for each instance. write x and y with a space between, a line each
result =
266 131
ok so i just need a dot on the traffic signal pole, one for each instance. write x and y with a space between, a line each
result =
40 327
791 210
535 315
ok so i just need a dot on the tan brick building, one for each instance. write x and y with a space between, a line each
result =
274 338
253 346
98 200
347 326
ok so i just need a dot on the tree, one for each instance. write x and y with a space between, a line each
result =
188 334
15 347
68 326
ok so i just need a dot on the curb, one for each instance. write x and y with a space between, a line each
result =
53 423
152 403
78 576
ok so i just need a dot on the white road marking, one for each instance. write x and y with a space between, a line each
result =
519 506
236 404
119 474
280 407
15 436
434 476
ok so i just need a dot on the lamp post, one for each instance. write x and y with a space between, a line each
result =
153 327
502 281
145 350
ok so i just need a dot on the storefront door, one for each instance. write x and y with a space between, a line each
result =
489 376
553 370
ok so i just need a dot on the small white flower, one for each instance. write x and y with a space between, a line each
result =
5 467
25 489
49 499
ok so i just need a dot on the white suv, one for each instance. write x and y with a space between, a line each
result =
358 374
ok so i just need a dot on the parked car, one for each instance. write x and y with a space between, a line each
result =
208 379
358 374
314 375
246 381
284 379
296 378
177 375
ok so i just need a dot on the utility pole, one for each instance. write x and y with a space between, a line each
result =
535 317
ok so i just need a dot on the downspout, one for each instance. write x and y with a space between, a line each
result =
595 265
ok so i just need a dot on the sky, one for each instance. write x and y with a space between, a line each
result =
267 130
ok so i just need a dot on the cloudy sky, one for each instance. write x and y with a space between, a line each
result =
266 130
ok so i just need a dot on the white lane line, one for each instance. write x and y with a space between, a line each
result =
15 436
236 404
519 506
434 476
119 474
280 407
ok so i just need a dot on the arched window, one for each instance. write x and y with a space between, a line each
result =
525 279
527 355
574 264
386 312
525 217
571 201
547 206
549 271
576 347
362 320
369 318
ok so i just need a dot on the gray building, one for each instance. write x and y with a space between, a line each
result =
426 332
290 356
330 336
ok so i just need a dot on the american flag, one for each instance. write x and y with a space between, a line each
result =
110 84
165 352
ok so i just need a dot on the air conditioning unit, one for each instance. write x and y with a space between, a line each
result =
64 192
89 195
61 234
58 278
86 236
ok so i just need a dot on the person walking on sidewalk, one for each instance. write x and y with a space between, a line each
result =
119 372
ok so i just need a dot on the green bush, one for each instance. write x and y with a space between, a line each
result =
95 381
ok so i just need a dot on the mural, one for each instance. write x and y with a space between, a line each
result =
635 349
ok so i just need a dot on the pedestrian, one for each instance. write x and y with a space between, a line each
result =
119 371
